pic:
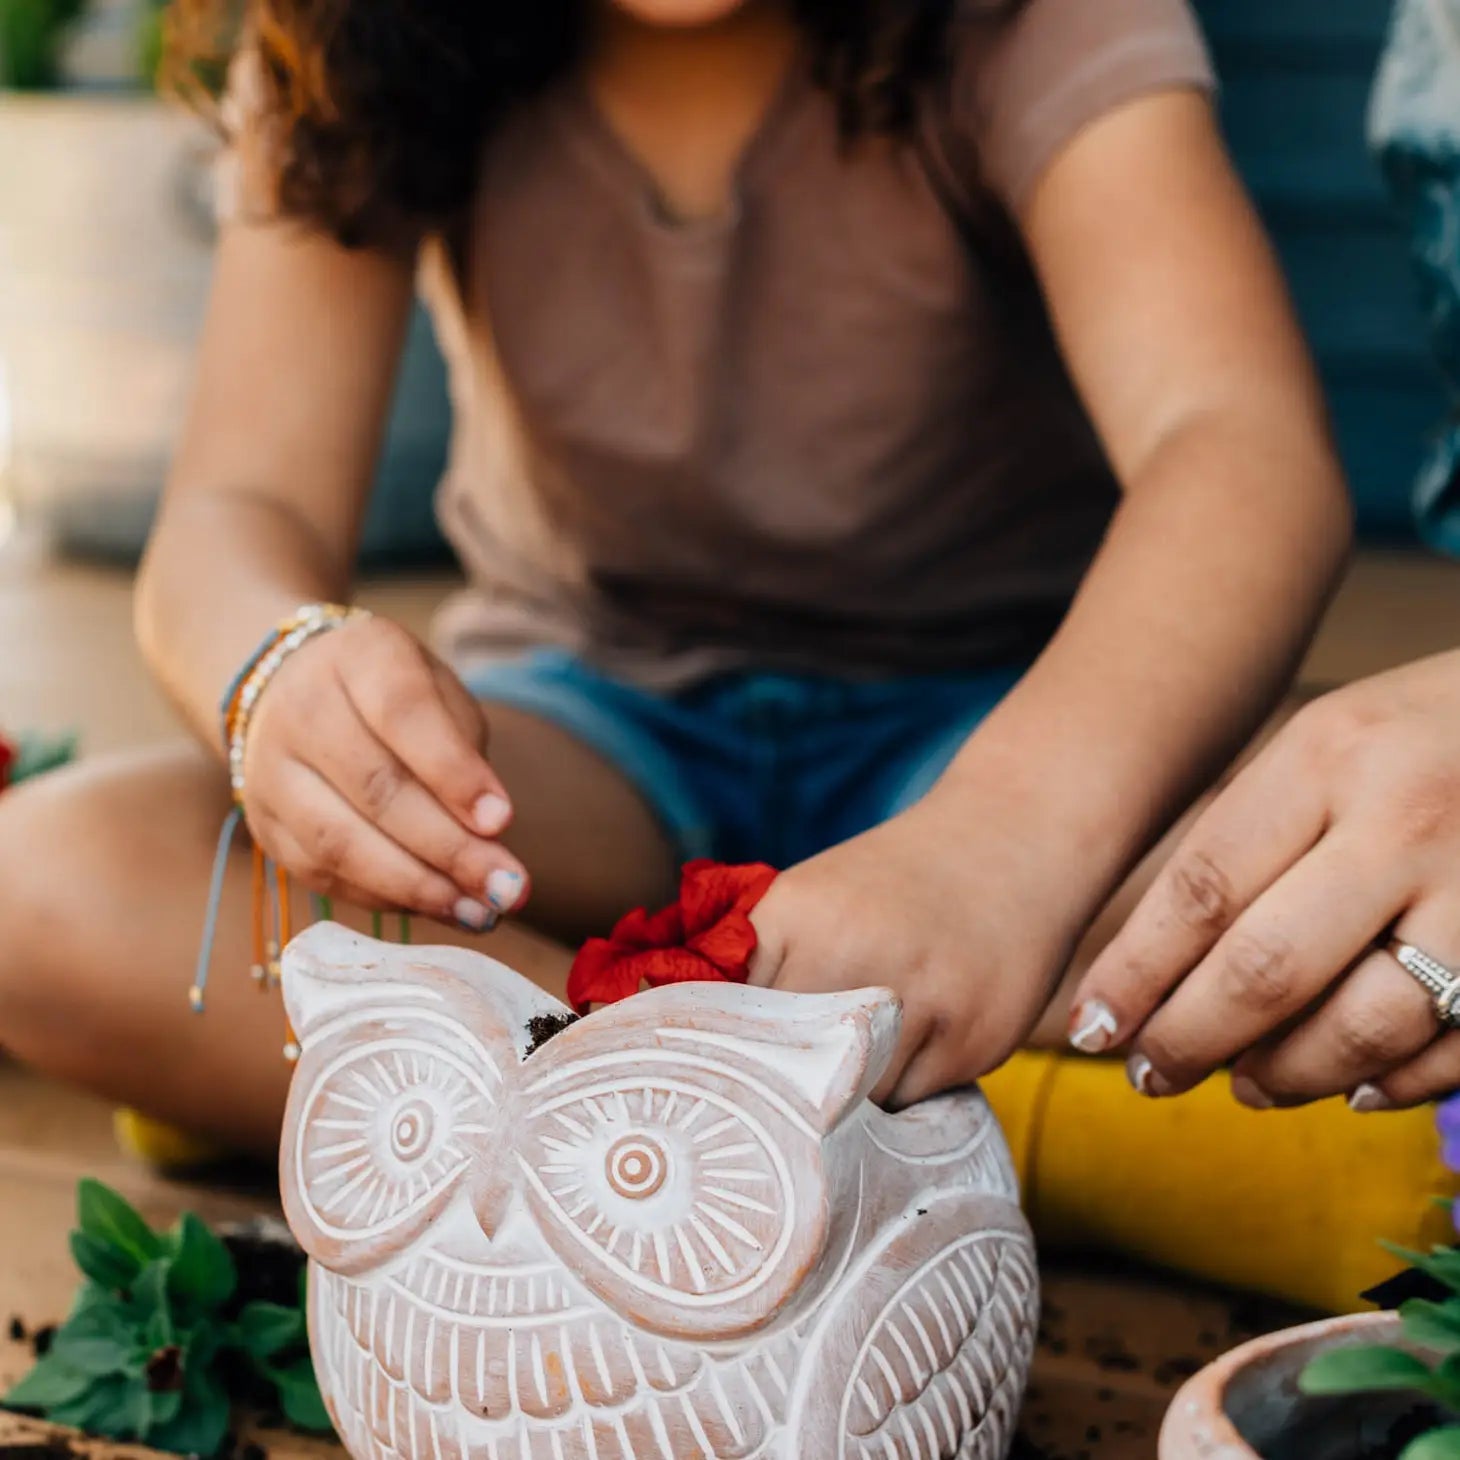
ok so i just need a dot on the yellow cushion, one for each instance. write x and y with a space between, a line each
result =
1289 1202
163 1146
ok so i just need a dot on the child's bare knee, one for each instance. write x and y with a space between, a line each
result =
51 842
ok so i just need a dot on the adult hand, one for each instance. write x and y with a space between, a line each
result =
1263 940
366 777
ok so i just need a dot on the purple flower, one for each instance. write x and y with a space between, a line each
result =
1447 1118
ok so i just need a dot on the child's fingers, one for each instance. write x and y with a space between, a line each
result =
334 845
395 691
379 786
1268 817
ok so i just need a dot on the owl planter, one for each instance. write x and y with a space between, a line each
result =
676 1228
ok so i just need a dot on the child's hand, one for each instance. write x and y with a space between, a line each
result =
366 777
947 917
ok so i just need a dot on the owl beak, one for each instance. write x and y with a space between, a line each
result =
491 1198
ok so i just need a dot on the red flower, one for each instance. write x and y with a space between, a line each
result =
706 936
8 754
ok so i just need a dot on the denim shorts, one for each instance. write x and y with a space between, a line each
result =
758 766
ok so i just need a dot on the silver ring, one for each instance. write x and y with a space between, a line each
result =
1439 981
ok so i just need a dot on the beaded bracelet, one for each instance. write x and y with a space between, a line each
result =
272 919
265 662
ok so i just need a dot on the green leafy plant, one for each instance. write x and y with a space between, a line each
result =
157 1345
150 39
32 33
1429 1324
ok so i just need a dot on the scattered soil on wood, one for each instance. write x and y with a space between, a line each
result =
52 1448
268 1260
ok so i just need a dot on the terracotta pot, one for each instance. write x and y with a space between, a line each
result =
674 1228
1247 1406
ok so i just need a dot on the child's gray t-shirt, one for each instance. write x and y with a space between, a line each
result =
828 431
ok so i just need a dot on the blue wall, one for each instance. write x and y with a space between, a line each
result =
1295 83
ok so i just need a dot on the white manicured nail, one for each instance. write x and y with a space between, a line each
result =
1143 1077
1369 1098
504 888
491 813
1095 1027
473 914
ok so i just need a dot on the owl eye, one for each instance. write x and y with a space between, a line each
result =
385 1130
676 1190
636 1166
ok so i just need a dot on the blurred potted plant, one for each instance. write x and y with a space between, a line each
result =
107 224
31 35
1371 1386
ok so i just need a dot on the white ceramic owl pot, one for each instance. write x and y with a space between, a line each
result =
677 1228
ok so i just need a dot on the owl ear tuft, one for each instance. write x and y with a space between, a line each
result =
328 970
829 1050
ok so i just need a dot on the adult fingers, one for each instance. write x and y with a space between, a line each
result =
396 692
1380 1017
1279 955
1432 1074
1272 813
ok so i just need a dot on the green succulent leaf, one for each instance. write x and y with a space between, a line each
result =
1360 1369
138 1357
265 1329
114 1221
135 1411
299 1395
102 1263
1434 1326
1440 1444
202 1418
101 1409
98 1339
202 1270
166 1407
150 1302
1442 1263
1445 1385
47 1385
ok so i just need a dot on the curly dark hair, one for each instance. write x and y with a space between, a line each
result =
373 110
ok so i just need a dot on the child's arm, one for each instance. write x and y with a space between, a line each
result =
365 768
1175 325
263 506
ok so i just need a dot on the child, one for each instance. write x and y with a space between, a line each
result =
807 359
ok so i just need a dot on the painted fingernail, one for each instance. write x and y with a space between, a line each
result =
1093 1027
476 916
504 888
491 813
1250 1093
1142 1075
1369 1098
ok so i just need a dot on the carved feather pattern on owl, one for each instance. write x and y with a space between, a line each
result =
677 1229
